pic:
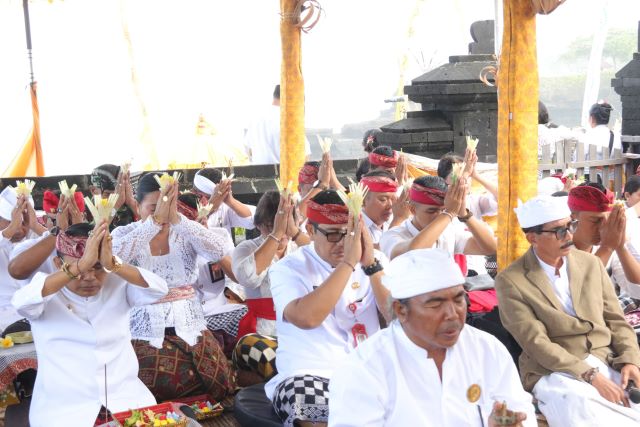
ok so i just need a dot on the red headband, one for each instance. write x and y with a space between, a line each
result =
380 184
308 174
187 210
559 176
385 161
590 199
50 201
426 195
327 214
72 246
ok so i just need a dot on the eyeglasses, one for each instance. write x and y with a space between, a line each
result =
332 236
561 232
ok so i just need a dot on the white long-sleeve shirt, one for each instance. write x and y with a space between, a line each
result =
187 240
8 285
76 339
390 381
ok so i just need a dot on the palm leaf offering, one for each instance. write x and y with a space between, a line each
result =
65 190
325 144
355 198
125 167
204 210
166 180
284 191
225 177
472 143
456 173
102 209
24 188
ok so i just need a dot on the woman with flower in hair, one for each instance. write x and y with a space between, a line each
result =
178 355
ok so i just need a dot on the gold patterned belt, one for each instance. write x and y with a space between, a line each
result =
176 294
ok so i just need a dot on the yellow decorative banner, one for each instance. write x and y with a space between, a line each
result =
517 125
292 136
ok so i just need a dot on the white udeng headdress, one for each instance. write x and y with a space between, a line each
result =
542 209
420 271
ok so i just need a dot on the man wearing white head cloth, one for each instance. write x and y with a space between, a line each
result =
428 368
227 211
578 352
17 222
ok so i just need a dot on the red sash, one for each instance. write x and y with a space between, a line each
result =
258 307
461 260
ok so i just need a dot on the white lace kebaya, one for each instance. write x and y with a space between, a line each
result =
187 240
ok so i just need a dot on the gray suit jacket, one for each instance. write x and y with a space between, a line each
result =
551 339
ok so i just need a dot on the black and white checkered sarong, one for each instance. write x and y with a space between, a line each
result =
302 398
227 322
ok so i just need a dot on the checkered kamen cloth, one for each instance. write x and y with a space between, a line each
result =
228 321
302 398
256 353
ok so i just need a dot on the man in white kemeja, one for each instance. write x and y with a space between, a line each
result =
17 223
427 368
325 306
80 322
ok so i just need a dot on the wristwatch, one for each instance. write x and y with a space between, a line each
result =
466 217
372 269
54 231
319 185
117 265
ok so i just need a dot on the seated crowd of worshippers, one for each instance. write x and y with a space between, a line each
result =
347 320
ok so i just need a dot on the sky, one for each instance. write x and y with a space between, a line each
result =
221 60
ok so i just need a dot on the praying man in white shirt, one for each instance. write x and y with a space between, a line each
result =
377 209
326 296
428 368
438 212
80 323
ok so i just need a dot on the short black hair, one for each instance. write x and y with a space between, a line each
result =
266 209
328 197
212 174
383 150
632 185
363 168
105 177
543 114
370 140
594 185
189 199
147 184
601 113
430 181
560 194
81 229
445 165
276 92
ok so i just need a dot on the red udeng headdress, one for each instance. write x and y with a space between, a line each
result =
50 201
327 214
426 195
308 174
72 246
385 161
590 199
380 184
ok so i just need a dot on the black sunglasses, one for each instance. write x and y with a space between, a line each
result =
332 236
561 232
